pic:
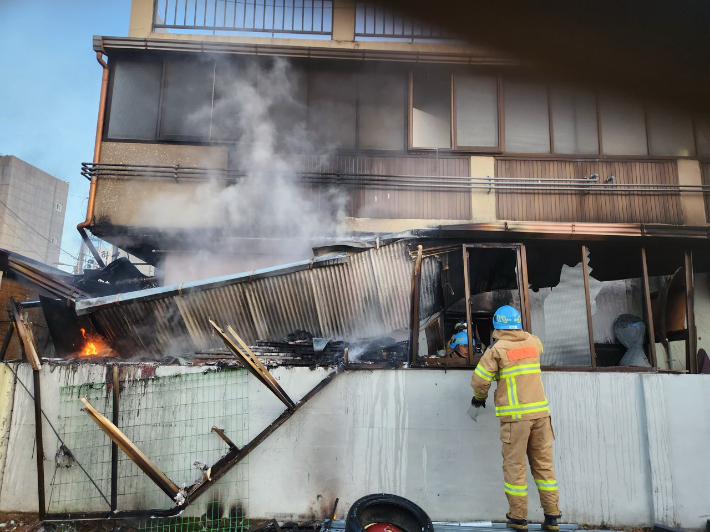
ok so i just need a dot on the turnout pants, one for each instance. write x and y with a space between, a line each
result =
532 438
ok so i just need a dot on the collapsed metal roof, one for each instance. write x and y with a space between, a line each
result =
364 291
343 296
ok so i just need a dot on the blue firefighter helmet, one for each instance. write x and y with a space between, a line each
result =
506 317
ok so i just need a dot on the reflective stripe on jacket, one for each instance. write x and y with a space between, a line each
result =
514 362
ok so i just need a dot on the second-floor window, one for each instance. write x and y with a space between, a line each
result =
325 106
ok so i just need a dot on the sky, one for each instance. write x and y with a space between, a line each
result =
50 84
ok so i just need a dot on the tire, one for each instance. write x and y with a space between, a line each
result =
390 509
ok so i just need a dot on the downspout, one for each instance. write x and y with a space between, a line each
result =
97 156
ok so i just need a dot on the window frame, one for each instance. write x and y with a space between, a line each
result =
407 148
194 139
523 288
499 115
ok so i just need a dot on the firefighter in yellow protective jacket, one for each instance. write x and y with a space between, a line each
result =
513 360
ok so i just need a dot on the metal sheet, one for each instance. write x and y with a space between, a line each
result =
280 305
226 305
362 295
348 300
431 296
393 274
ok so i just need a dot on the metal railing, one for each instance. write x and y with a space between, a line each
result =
551 185
374 21
310 17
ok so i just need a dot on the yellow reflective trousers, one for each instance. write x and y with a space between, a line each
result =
532 438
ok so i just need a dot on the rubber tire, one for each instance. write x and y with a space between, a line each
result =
391 509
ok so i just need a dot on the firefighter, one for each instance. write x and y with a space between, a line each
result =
458 345
513 360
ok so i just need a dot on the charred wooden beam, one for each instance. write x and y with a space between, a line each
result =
114 448
415 296
133 452
39 448
225 438
245 355
233 457
26 336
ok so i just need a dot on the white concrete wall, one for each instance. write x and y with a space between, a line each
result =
629 449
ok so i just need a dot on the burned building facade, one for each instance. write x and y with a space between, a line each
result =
329 188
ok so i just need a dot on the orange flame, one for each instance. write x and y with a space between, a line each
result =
94 346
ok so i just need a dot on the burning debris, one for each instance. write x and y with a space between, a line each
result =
94 346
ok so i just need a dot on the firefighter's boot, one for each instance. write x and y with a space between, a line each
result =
517 524
551 522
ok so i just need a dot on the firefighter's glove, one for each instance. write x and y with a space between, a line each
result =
478 403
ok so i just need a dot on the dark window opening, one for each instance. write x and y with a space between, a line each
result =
135 99
382 105
188 90
431 110
331 109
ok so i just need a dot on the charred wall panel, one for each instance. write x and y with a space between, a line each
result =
367 296
581 206
226 305
705 172
388 202
281 305
393 274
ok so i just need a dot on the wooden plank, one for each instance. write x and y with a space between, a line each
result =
26 336
133 452
691 346
114 447
414 319
524 287
253 366
39 442
648 309
467 297
590 325
259 366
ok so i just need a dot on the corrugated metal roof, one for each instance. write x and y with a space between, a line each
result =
365 294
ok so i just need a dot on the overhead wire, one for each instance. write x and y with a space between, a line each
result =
17 378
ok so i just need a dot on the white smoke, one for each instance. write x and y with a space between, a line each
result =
269 216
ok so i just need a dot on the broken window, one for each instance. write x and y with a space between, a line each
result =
667 280
382 108
527 123
431 110
331 108
616 294
558 307
493 281
574 120
135 98
188 89
623 125
476 104
670 131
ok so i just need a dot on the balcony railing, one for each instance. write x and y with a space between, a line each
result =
376 22
294 17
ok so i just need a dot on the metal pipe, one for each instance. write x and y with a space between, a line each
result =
589 185
97 153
